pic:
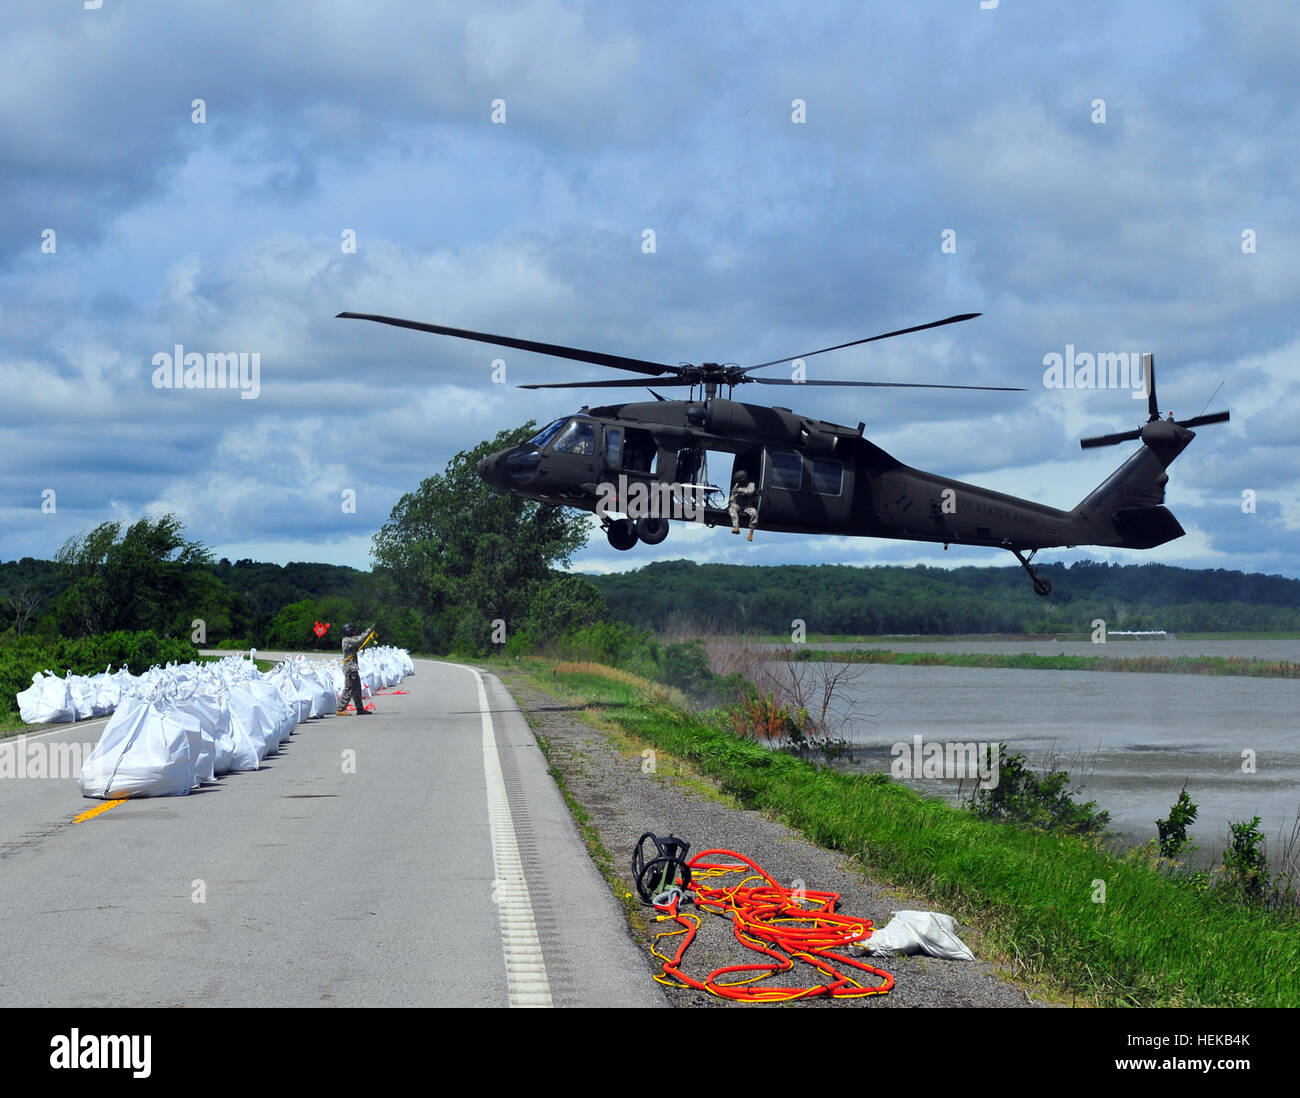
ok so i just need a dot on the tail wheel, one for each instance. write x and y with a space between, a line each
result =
621 534
652 530
1042 587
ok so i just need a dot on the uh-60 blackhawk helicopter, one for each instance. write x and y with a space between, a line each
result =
648 462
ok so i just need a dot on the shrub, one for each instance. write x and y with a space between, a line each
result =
85 656
1173 831
1021 796
1245 863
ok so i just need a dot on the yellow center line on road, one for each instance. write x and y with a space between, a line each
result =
91 813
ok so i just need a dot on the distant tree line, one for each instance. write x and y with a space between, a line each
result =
688 598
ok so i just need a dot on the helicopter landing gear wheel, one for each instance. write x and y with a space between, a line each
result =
1041 586
621 533
652 530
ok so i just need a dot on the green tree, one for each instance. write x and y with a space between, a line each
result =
150 578
466 555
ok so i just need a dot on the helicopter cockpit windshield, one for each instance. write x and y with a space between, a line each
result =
546 434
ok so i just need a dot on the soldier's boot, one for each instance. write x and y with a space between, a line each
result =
751 534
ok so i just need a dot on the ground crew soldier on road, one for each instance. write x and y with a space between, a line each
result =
353 639
744 497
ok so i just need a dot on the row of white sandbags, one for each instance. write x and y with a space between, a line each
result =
54 700
380 666
199 721
181 726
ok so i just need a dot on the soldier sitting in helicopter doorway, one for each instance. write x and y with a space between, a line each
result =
744 498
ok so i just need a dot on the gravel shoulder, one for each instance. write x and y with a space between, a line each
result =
605 773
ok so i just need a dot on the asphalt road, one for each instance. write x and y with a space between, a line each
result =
393 881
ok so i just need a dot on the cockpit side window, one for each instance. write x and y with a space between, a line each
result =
578 437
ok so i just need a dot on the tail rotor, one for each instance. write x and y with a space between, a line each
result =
1153 415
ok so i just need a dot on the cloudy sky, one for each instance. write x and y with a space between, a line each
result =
1110 177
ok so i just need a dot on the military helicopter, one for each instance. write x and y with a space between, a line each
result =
648 463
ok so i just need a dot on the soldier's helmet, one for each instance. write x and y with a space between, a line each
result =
349 630
741 475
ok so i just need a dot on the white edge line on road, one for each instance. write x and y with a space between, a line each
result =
526 982
68 726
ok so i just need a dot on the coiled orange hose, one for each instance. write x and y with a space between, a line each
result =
784 925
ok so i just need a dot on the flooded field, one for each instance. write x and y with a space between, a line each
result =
1133 738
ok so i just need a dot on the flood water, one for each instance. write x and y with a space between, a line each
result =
1114 647
1134 738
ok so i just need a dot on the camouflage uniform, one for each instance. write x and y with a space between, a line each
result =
352 672
744 497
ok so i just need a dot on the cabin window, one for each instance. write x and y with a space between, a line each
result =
578 437
613 447
827 477
785 471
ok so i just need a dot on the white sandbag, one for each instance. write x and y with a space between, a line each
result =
337 679
252 727
926 932
46 701
284 714
82 693
324 698
369 675
108 693
294 691
203 747
277 711
254 719
214 725
142 753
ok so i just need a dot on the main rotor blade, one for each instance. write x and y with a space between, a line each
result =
596 358
1201 421
621 383
884 384
870 339
1108 440
1149 362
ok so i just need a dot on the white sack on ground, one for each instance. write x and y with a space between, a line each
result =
82 692
926 932
108 693
325 699
292 691
251 727
214 722
141 754
279 712
203 748
46 701
260 721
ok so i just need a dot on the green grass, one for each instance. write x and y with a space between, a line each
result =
1153 942
1176 665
